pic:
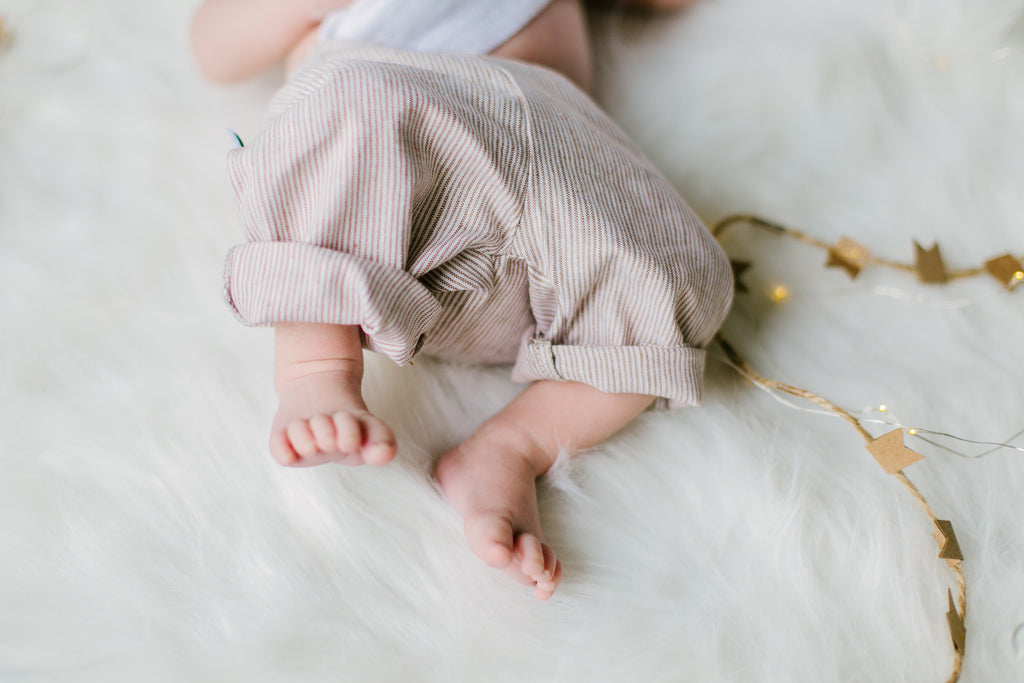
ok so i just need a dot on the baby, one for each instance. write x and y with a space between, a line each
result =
432 179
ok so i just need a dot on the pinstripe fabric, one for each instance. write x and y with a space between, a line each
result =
474 209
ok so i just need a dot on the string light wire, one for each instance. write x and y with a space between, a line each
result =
735 360
863 417
996 445
957 616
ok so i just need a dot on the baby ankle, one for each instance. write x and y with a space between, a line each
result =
343 372
513 436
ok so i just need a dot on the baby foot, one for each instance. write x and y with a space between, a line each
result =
321 419
493 487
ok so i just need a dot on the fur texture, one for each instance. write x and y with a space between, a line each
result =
147 535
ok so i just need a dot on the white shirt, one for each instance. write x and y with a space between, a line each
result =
474 26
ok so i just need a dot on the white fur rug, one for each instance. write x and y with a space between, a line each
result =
145 534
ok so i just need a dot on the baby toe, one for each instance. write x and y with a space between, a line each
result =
543 591
380 445
301 438
531 553
546 586
490 539
324 434
349 432
551 563
282 449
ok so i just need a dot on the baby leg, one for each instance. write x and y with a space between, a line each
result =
318 372
490 478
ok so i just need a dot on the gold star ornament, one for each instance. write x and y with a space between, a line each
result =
848 255
956 624
949 548
890 452
929 266
738 269
1007 269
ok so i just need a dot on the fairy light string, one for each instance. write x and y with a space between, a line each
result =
957 616
891 421
889 449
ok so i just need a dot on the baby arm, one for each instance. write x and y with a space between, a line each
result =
318 373
235 39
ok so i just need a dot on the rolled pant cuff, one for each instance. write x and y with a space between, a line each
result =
273 282
675 373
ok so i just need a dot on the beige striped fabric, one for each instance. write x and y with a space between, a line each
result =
473 209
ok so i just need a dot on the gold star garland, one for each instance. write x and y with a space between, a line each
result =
893 456
852 257
888 449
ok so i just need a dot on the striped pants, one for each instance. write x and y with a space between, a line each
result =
475 209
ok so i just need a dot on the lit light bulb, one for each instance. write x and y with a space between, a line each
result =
779 293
